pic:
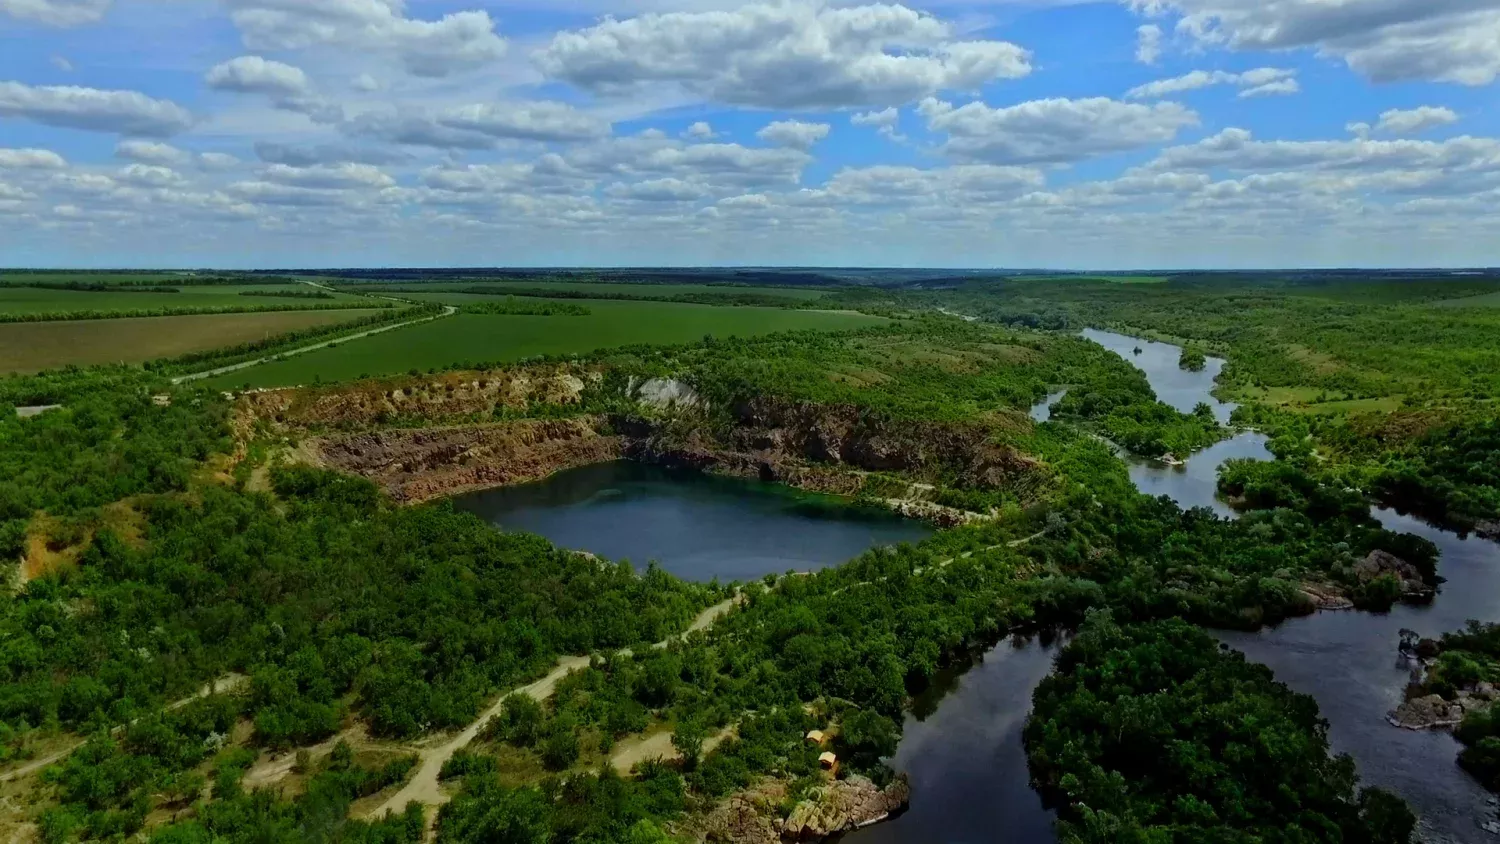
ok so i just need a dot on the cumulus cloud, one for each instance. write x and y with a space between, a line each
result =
458 41
1386 40
31 159
1462 163
658 190
700 131
1148 43
794 134
292 155
785 56
1262 81
480 125
72 107
1053 130
56 12
255 75
886 121
1411 121
333 176
148 175
365 83
150 152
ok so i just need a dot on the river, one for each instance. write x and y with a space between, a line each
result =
695 526
962 743
962 746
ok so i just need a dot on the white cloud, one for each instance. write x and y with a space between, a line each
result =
31 159
61 63
1386 40
794 134
480 125
272 152
458 41
1053 130
345 175
700 131
148 175
72 107
365 83
788 56
1252 83
1148 43
659 190
1411 121
217 161
1459 162
532 121
255 75
56 12
149 152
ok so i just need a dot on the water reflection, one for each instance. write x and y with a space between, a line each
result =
1348 662
962 751
696 526
1174 386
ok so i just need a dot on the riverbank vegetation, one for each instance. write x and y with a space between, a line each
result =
1152 732
153 563
1462 669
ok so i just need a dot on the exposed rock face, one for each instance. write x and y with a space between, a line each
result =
413 466
753 816
449 396
1326 597
1433 711
1489 529
844 805
1378 563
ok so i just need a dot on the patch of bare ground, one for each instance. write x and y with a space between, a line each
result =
425 788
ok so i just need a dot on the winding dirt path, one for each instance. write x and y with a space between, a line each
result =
424 788
225 684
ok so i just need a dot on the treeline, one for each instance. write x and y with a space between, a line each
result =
730 297
97 287
230 355
512 307
1152 732
1463 661
138 313
290 294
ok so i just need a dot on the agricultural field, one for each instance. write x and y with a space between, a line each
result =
623 289
487 338
34 346
1486 300
16 299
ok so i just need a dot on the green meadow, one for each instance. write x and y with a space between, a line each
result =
15 299
484 338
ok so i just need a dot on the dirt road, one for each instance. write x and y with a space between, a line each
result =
424 788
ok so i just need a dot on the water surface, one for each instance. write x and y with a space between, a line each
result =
695 526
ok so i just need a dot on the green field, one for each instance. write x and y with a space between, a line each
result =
35 346
657 290
479 338
1487 300
31 300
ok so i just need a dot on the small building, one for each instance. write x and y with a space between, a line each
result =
816 737
829 761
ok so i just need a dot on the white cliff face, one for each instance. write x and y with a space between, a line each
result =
667 393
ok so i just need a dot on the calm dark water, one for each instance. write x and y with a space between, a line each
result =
962 751
1348 662
962 747
695 526
1174 386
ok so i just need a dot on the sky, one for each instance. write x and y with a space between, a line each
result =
942 133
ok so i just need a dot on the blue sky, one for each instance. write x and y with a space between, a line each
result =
1107 135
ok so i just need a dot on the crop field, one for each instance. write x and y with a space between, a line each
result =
35 346
31 300
484 338
1487 300
658 290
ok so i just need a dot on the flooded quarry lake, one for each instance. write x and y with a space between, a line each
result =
695 526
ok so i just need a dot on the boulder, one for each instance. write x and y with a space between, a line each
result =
843 806
1426 712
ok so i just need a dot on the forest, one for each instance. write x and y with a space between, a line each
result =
161 549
